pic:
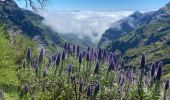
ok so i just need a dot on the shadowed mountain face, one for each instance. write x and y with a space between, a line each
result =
147 32
20 21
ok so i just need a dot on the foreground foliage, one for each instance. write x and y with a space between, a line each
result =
75 74
11 54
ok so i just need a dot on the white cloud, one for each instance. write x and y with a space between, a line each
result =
83 23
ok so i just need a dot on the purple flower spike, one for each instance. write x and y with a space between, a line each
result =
88 90
49 61
81 86
143 61
74 48
166 85
153 68
122 81
111 65
96 89
69 68
88 56
29 54
69 48
40 57
65 46
159 71
78 49
26 88
88 49
80 58
45 72
58 60
63 55
2 96
36 70
96 68
100 54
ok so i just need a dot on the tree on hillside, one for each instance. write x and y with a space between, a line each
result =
32 3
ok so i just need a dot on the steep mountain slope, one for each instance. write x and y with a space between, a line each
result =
152 38
130 23
27 23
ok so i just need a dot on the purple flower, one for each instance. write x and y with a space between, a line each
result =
96 68
29 54
153 69
100 54
143 61
40 57
69 48
74 48
69 68
2 95
26 88
156 64
166 85
36 70
111 65
123 63
87 56
96 88
111 55
53 58
58 60
159 71
45 72
88 90
104 53
63 55
122 81
84 53
33 62
95 55
78 49
65 46
88 49
81 86
80 58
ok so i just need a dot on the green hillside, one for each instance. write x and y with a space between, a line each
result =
153 39
11 55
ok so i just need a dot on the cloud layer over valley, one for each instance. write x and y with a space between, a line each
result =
82 23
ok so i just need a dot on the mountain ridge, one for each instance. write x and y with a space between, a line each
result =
130 23
151 36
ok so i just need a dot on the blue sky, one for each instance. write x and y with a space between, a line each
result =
134 5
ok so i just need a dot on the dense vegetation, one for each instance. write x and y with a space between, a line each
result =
28 72
75 74
12 51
